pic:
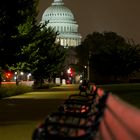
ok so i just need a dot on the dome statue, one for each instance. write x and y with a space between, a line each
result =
62 20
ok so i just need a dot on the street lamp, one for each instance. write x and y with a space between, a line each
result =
28 76
88 67
21 73
88 70
69 71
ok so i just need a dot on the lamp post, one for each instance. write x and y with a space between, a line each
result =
88 74
88 66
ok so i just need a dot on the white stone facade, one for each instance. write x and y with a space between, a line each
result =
62 20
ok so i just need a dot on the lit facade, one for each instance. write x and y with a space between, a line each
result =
62 20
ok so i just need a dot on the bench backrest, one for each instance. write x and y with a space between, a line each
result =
120 121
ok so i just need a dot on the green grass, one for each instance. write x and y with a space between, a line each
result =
7 90
10 90
128 92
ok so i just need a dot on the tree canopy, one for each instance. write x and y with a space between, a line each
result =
43 57
110 54
26 45
13 15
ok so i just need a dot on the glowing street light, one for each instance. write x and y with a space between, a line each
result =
21 73
28 76
69 71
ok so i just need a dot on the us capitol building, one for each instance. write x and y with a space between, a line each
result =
62 20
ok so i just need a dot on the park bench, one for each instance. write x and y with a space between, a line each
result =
111 119
120 121
73 123
77 103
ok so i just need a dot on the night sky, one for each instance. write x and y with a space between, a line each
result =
120 16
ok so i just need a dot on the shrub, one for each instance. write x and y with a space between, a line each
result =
11 90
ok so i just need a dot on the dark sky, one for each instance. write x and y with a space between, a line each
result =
120 16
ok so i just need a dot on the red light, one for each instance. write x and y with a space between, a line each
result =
83 110
8 75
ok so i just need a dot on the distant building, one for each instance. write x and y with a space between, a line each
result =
62 20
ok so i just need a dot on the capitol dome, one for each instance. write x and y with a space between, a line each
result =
62 20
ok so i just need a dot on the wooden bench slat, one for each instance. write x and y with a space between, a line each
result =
129 115
118 130
104 133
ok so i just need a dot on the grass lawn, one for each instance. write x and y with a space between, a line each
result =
128 92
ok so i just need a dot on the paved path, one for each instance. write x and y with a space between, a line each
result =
19 115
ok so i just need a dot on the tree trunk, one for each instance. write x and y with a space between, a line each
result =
0 80
17 81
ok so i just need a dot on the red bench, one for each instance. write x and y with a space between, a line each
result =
120 121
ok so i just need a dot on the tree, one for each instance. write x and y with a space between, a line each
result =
111 55
43 56
14 15
92 41
33 46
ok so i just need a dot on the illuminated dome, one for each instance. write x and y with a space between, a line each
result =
62 20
